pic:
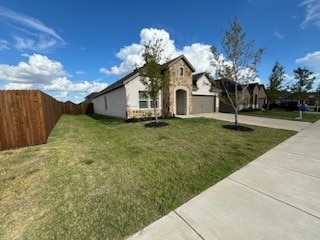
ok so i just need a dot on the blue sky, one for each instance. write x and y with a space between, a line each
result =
71 48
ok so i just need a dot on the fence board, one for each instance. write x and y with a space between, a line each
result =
28 116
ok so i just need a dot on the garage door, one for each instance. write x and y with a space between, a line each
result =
202 104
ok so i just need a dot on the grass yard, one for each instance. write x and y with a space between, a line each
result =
307 117
101 178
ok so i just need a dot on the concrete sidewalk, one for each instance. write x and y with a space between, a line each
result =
276 196
258 121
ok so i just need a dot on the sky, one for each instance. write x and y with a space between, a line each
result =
69 49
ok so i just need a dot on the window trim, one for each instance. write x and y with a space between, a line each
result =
181 71
146 99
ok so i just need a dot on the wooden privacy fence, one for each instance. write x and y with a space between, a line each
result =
28 116
84 108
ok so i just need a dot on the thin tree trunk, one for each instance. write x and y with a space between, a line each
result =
236 117
236 106
155 113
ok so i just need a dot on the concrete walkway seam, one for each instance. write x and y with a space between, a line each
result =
276 199
194 230
291 170
297 154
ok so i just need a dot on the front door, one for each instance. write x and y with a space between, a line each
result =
181 102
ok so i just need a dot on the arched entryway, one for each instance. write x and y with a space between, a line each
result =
181 102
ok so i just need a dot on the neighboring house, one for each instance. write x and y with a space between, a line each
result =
185 94
205 96
253 95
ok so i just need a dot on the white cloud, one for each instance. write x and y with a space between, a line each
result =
198 54
42 44
80 72
312 60
45 74
278 35
39 69
64 84
62 96
18 86
4 45
33 34
312 13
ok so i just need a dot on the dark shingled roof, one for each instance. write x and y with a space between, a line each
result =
251 86
117 84
91 95
120 82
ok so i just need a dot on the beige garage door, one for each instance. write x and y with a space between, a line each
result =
202 104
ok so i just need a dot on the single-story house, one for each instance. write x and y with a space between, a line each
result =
186 94
253 95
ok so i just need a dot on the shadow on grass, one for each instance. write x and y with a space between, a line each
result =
156 124
238 128
106 119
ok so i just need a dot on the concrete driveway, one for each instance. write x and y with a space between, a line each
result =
258 121
276 196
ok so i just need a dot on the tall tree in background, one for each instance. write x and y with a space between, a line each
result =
151 74
275 82
236 64
303 85
317 98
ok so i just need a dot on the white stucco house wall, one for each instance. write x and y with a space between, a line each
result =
187 93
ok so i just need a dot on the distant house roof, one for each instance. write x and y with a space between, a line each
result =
197 76
226 85
262 86
69 102
251 87
230 86
122 81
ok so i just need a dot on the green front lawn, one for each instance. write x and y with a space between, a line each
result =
100 178
307 117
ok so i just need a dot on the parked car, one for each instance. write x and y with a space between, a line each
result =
271 106
290 105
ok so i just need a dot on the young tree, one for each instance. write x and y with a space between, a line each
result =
237 64
275 80
151 74
303 85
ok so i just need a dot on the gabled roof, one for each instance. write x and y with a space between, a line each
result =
197 76
91 95
173 61
128 77
226 85
251 87
117 84
262 86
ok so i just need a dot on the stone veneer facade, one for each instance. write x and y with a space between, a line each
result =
177 82
142 113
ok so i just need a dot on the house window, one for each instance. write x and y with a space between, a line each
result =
181 72
143 99
152 104
106 102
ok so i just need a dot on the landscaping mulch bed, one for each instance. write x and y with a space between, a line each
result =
238 128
